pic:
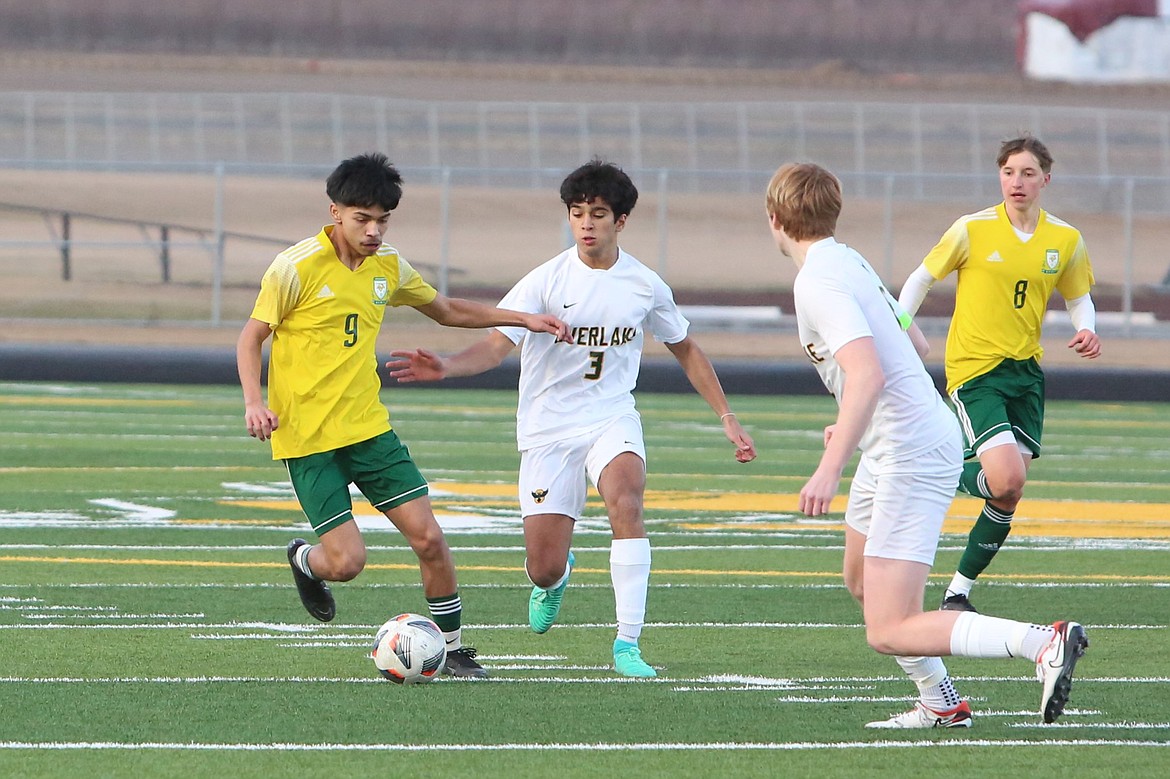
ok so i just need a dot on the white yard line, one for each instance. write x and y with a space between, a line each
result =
585 747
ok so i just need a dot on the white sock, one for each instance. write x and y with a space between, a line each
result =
301 560
453 639
978 635
1038 637
629 570
929 674
960 585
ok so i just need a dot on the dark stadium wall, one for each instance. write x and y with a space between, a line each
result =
150 365
870 35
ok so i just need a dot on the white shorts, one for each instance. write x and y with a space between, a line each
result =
900 507
552 477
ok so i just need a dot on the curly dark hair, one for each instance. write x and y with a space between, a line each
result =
599 180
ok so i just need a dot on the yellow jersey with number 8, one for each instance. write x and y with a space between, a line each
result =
1004 285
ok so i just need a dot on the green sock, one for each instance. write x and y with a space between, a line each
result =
990 531
974 481
447 612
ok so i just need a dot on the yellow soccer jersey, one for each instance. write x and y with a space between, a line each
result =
322 371
1003 286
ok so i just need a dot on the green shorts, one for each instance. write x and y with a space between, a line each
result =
1009 397
380 467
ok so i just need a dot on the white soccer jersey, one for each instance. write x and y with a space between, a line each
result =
839 298
573 388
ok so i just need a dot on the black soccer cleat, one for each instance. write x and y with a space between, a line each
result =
957 603
315 594
461 664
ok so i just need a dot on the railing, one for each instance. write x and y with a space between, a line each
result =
252 131
897 157
1124 242
59 224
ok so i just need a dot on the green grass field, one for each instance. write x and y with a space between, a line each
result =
150 627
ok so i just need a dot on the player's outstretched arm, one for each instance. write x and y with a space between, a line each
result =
918 283
259 420
702 376
423 365
458 312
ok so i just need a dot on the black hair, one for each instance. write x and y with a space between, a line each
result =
365 180
600 180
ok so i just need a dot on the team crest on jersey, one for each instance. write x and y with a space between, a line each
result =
539 495
381 290
1051 261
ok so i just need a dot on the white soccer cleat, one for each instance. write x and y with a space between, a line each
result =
1055 667
922 718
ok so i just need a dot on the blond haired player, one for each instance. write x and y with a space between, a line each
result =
854 333
323 301
1009 259
576 417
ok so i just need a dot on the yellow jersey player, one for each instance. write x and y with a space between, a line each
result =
322 301
1009 260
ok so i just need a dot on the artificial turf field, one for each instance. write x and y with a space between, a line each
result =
150 627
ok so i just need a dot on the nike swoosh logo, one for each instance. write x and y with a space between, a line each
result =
570 305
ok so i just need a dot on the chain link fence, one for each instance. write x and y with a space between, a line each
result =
169 206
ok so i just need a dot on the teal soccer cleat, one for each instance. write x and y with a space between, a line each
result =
544 605
627 661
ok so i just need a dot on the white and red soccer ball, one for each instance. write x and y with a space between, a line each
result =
409 649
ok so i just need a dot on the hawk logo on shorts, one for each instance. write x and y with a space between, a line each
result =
381 290
539 495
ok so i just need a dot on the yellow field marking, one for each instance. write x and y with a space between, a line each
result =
1063 518
1060 518
1021 526
227 564
507 411
40 400
1105 422
823 418
1045 577
477 490
120 468
291 521
139 561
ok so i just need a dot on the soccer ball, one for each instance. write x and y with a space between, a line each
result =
409 649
